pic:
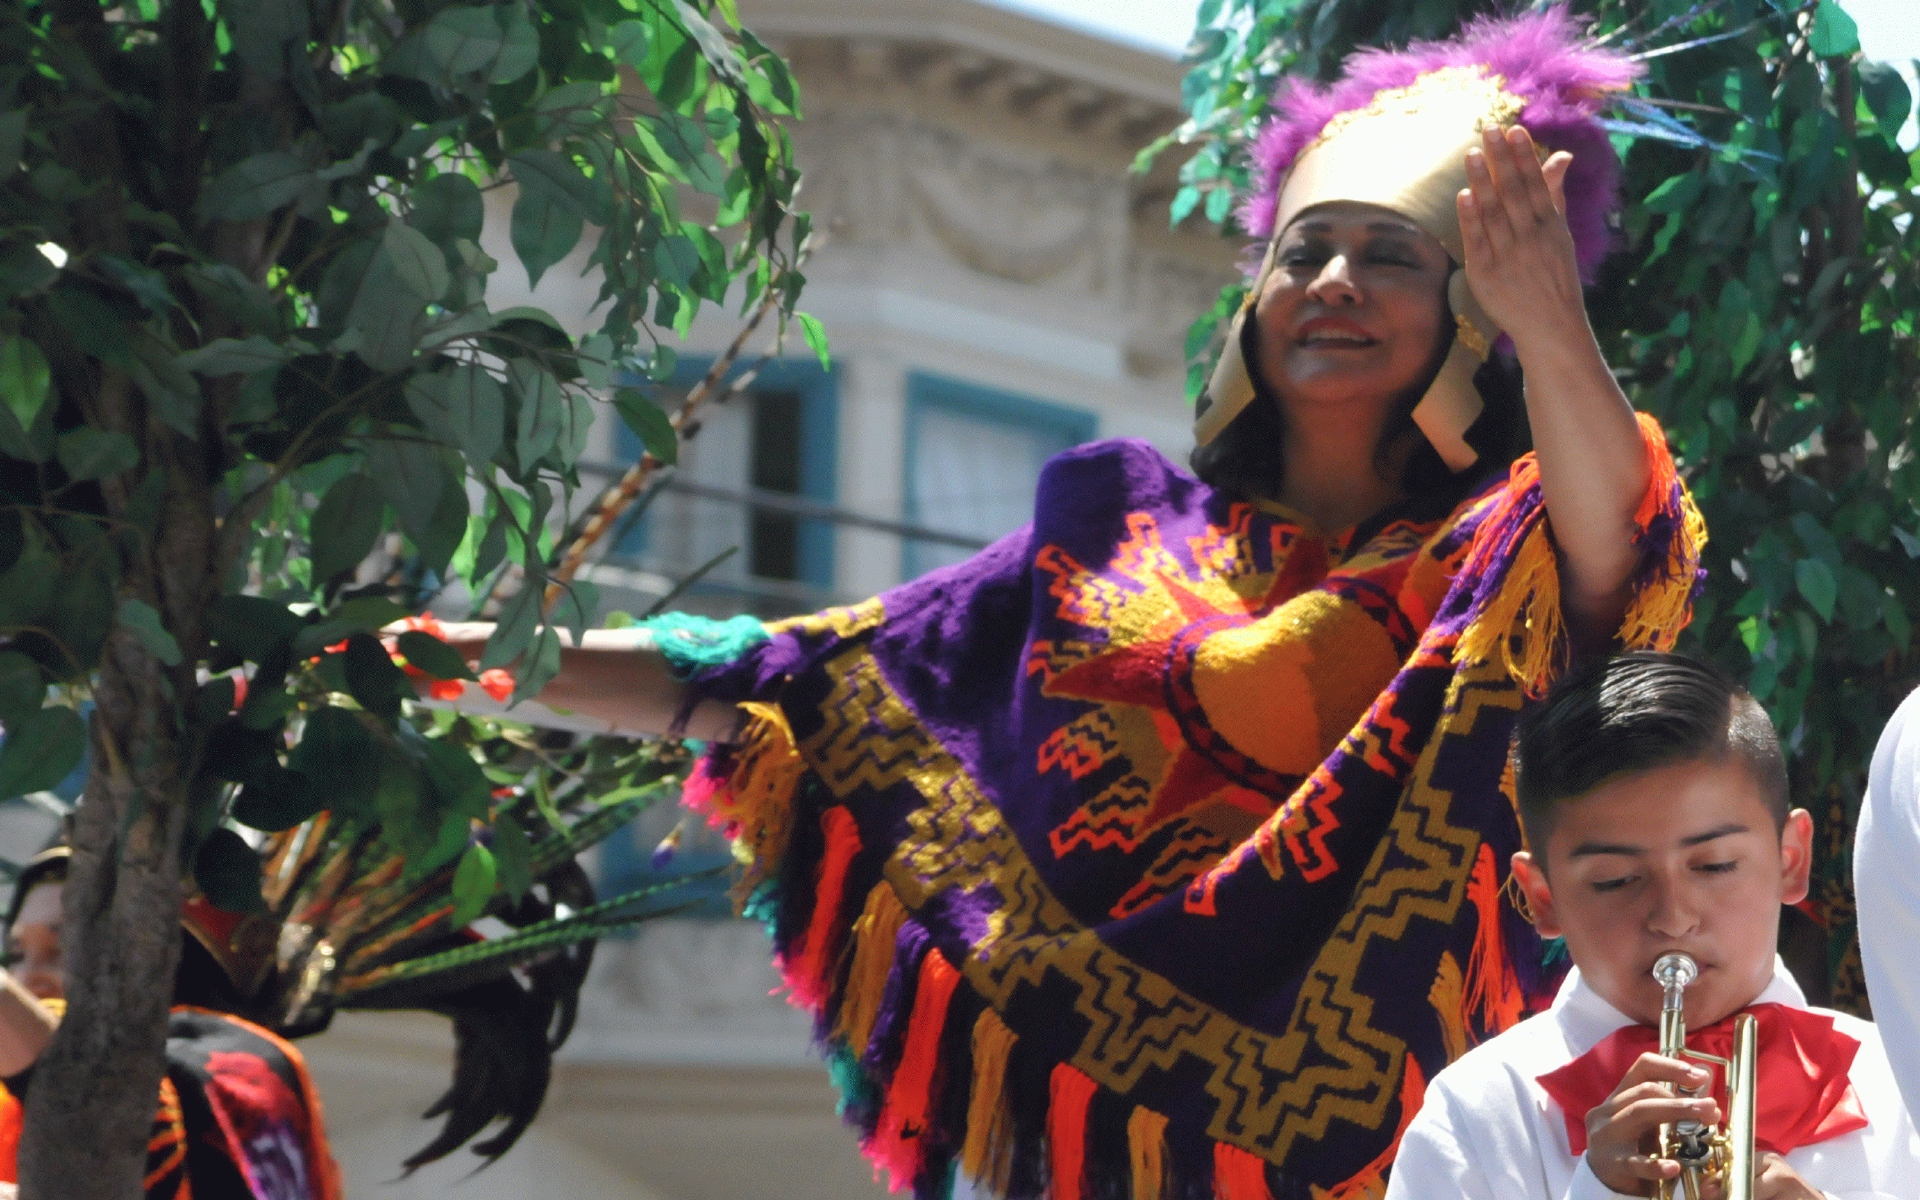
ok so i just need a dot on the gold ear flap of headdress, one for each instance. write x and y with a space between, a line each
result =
1452 403
1230 388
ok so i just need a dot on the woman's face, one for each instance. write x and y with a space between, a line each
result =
35 942
1352 314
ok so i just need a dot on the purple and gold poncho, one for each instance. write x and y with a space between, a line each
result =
1159 850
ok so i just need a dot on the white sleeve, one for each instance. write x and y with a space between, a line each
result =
1585 1185
1434 1161
1886 851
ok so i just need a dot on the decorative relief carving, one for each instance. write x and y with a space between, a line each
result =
896 154
1008 219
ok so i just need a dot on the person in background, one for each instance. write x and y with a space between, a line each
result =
1655 800
238 1117
1886 887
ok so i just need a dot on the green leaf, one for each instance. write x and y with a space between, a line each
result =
514 629
543 411
251 627
648 422
267 708
816 335
213 701
447 207
367 612
463 407
435 657
520 45
235 356
1817 585
461 40
628 40
1834 33
23 688
541 664
262 30
372 679
417 263
227 871
543 233
255 187
553 175
571 109
387 315
25 381
13 139
140 619
174 394
1886 95
512 856
678 145
340 758
344 528
41 750
459 783
473 883
277 798
89 453
413 476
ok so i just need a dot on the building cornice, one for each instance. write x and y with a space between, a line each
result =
979 51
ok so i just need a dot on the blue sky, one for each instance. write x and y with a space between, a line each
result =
1889 29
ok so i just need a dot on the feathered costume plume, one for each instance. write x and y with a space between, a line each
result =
1566 83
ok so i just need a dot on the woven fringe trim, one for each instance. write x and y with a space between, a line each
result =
1525 602
1370 1182
755 806
1147 1150
1448 998
1491 992
1657 613
810 974
1069 1094
1238 1175
902 1111
899 1145
874 934
987 1154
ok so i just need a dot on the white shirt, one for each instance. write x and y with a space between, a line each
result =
1488 1130
1886 885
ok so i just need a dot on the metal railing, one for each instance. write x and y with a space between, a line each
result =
648 576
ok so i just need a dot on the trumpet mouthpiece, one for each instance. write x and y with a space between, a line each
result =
1675 970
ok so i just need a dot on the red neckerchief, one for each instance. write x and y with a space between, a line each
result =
1802 1087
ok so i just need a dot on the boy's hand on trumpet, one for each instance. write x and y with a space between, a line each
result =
1623 1132
1775 1180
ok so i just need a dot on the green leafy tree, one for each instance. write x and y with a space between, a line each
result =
244 345
1762 306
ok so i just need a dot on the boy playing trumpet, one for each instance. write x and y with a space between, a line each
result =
1654 795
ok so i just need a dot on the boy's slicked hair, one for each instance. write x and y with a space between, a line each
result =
1637 712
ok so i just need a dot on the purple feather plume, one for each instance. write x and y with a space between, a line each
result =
1565 82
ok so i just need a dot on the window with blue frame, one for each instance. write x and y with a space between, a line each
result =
973 459
777 439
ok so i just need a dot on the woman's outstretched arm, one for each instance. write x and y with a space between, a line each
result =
615 678
1593 459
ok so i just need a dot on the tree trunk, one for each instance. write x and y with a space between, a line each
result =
91 1105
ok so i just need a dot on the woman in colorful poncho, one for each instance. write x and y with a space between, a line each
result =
1160 849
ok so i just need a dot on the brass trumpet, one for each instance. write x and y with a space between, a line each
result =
1723 1153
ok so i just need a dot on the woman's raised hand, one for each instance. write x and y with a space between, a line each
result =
1520 256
